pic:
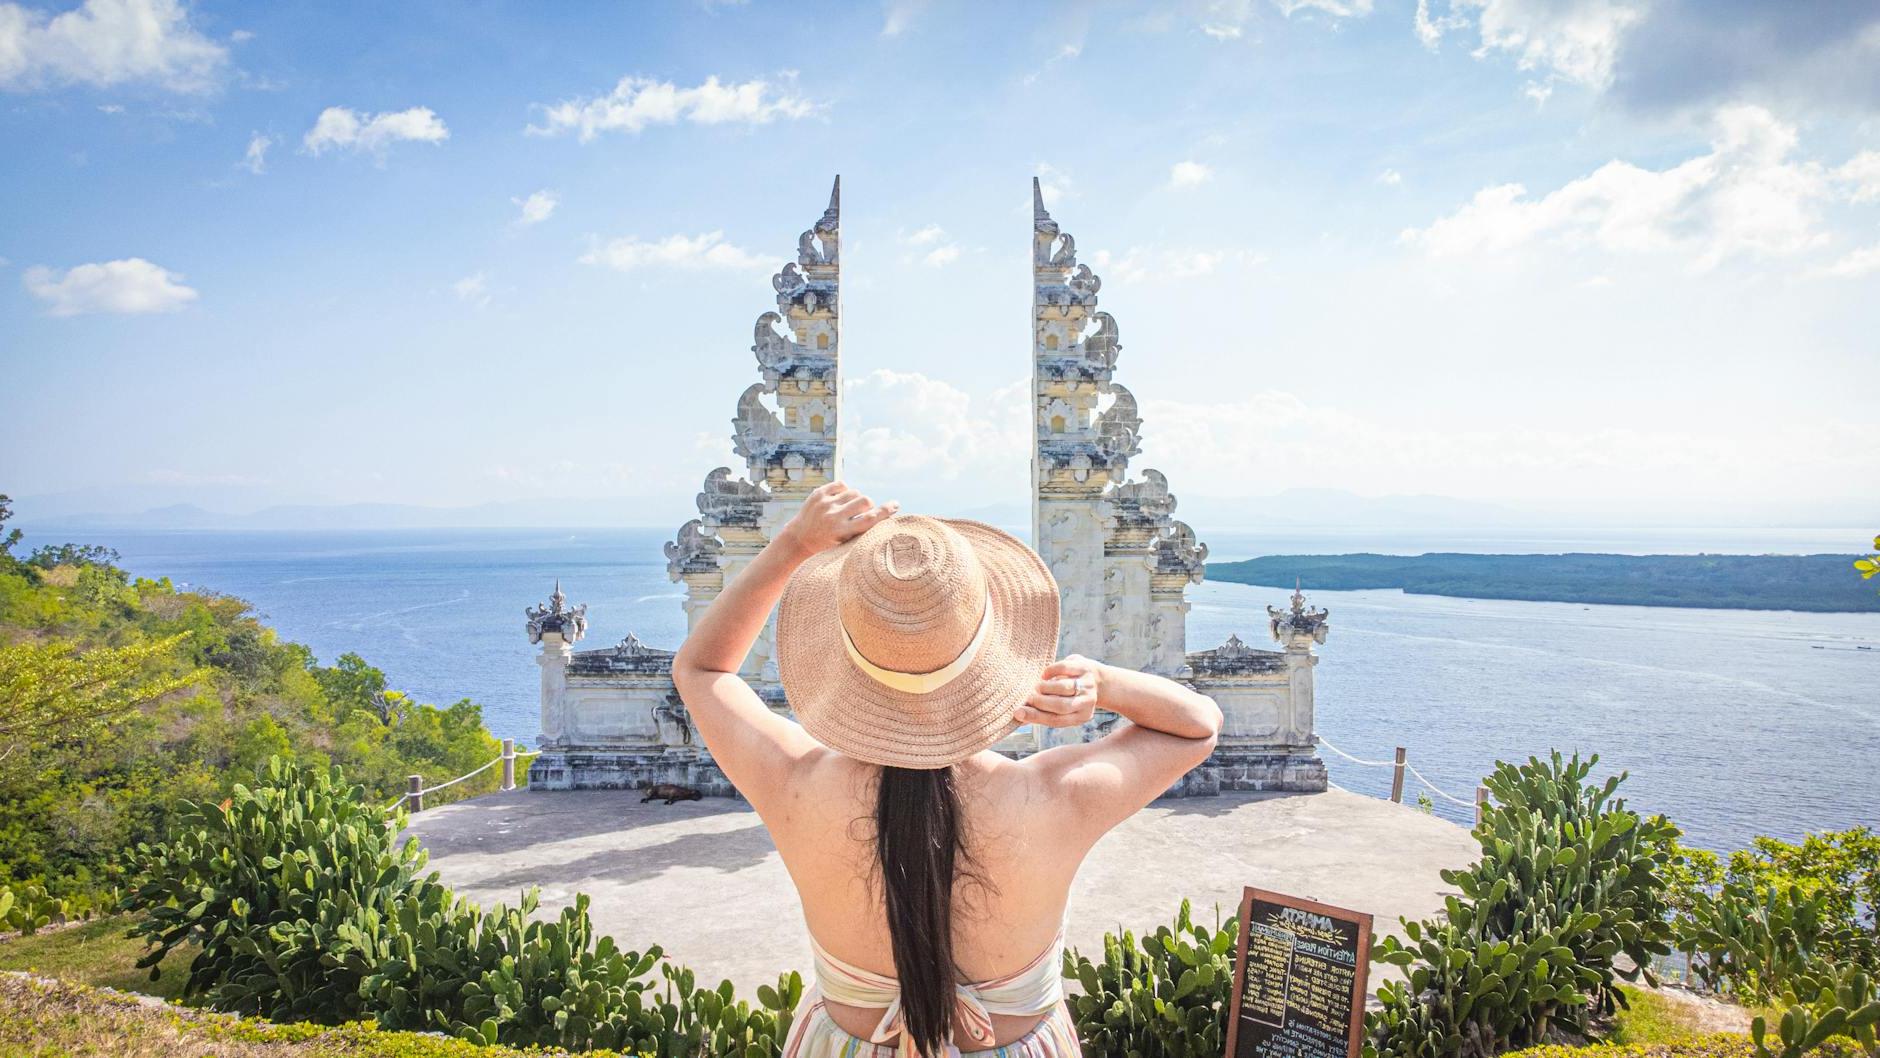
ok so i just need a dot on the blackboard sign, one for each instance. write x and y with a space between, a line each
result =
1300 974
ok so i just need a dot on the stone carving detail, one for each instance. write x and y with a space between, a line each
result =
693 551
1102 347
1234 648
1085 284
1119 427
788 282
729 501
774 350
570 623
631 647
1180 552
672 721
1298 624
756 429
819 245
1149 498
1066 254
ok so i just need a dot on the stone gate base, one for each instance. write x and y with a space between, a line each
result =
576 769
1226 771
1235 770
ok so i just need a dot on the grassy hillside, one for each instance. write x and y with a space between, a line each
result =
1740 582
121 698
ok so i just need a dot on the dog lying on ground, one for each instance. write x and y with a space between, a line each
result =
670 792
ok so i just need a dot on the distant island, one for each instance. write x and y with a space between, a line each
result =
1821 583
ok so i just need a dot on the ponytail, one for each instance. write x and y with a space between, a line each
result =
917 828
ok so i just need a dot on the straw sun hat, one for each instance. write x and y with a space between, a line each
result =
912 644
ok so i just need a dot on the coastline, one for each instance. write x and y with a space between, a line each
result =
1823 583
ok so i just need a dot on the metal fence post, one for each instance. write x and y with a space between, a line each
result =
509 764
1396 778
414 793
1481 803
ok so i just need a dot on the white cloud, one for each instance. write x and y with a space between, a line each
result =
1390 178
473 289
343 127
1053 184
637 102
1576 40
537 208
1140 263
132 285
933 239
1862 175
1225 19
110 108
107 42
689 252
1852 265
906 426
1189 174
1300 444
255 158
926 236
1334 8
1749 196
899 15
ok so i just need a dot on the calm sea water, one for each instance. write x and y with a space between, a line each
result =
1733 722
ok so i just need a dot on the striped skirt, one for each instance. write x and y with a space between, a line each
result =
814 1034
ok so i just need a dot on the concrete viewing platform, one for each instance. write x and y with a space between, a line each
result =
703 881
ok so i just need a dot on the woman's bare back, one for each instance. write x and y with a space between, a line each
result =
1009 897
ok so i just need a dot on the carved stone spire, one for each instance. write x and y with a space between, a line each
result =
570 623
1298 627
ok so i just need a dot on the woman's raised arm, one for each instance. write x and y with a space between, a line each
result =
1166 730
756 747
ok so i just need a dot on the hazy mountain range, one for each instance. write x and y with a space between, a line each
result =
121 509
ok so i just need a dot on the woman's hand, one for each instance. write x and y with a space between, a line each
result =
1066 695
832 514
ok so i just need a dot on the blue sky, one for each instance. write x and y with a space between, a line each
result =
1618 256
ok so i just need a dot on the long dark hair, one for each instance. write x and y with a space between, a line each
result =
918 845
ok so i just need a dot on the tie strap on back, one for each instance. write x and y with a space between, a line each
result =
1034 988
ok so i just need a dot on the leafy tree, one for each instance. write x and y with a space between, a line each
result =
50 692
8 537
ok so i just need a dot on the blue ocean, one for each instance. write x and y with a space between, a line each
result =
1734 723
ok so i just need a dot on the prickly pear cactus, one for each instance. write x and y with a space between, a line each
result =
1166 997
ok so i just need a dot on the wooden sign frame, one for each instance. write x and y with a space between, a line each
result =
1354 1039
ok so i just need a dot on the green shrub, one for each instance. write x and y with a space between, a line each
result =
27 909
307 905
1167 997
1568 878
1822 1005
1718 1045
1568 849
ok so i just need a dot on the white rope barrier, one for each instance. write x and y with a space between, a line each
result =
1327 743
460 778
405 798
1412 769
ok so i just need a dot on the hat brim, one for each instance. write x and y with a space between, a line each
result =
847 710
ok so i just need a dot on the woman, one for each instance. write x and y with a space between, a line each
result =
933 872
